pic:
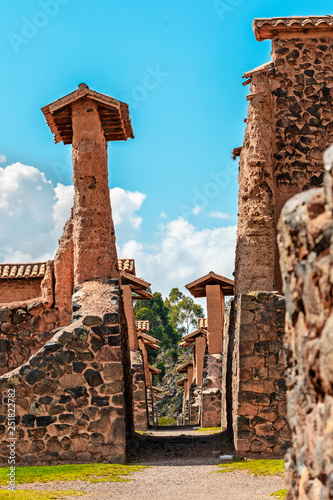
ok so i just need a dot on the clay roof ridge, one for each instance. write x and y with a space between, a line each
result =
143 326
28 270
58 115
127 265
197 287
267 27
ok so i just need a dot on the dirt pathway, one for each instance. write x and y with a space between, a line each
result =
176 481
181 465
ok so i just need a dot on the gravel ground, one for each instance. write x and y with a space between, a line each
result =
176 481
180 468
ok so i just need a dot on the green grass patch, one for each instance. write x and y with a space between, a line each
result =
255 467
209 429
281 494
38 495
94 473
166 421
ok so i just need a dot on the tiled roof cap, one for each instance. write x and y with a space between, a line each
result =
127 265
272 27
37 269
198 287
142 325
202 323
114 115
14 271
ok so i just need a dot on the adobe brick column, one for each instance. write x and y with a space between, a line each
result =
214 287
87 120
200 347
95 254
215 318
130 318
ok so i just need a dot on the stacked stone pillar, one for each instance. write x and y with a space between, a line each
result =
74 395
214 288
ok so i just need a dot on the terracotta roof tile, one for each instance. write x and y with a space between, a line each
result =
198 287
270 27
127 265
37 270
14 271
202 323
142 325
114 115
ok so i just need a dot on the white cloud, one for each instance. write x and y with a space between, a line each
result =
219 215
26 221
62 207
163 215
33 213
197 210
183 254
3 158
125 204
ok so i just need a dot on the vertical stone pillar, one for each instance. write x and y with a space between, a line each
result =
95 254
215 318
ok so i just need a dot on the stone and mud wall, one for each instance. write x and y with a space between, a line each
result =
140 409
72 396
306 256
16 290
211 391
259 410
24 328
289 126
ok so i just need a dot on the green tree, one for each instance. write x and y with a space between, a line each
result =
158 315
184 312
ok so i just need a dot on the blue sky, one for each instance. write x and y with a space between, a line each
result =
178 63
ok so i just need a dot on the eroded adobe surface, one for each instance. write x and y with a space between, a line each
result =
289 126
306 250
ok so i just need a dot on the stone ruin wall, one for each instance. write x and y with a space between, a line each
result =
72 399
306 249
289 126
195 400
140 410
24 328
253 387
211 391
